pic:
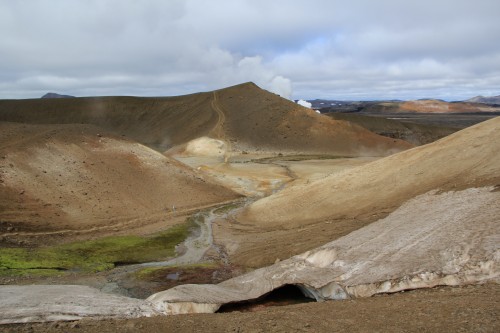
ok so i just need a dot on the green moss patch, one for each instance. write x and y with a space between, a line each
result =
30 272
92 256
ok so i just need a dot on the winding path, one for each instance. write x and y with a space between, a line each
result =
219 127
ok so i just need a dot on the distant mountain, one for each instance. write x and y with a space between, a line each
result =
54 95
485 100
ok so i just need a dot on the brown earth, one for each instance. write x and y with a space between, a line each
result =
446 309
67 181
245 116
307 215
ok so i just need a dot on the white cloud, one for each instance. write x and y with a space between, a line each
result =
324 49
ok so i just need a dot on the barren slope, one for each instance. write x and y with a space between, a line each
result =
462 160
307 215
244 116
256 119
159 123
75 177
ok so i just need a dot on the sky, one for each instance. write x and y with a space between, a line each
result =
300 49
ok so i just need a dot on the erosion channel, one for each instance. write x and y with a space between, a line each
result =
198 260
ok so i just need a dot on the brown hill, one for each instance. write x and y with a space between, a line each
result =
307 215
57 179
258 119
245 116
159 123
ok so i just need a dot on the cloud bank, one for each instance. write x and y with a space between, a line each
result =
360 49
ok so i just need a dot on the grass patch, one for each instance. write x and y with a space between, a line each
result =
94 255
30 272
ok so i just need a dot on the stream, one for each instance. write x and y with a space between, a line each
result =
191 251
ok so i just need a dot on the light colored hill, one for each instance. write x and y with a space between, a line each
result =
461 160
307 215
60 178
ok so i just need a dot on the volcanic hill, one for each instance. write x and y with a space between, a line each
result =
244 116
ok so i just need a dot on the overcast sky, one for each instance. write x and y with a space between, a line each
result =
335 49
